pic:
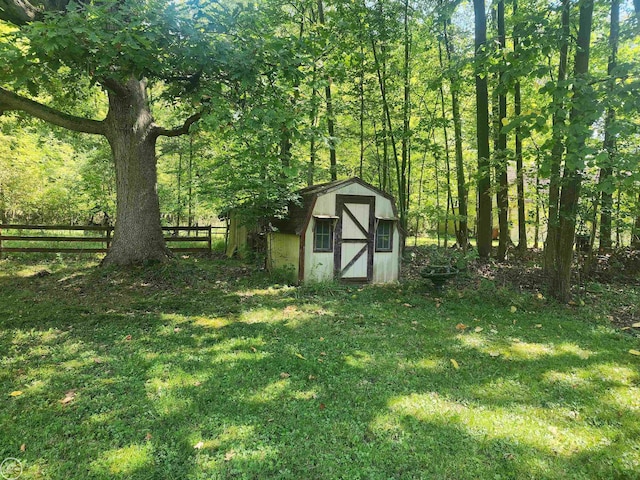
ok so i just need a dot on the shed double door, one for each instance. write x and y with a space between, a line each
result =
355 237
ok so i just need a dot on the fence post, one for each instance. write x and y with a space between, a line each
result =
0 241
108 236
209 239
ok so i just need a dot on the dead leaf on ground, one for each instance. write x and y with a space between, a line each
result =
636 325
408 305
455 364
634 352
478 329
197 384
148 437
322 406
199 445
128 338
68 397
461 327
300 356
494 354
254 349
514 309
229 455
23 447
285 375
16 393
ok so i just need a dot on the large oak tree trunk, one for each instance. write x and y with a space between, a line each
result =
130 131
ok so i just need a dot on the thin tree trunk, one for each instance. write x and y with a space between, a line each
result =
482 129
572 177
331 129
606 172
387 114
559 119
361 94
404 180
445 132
190 189
536 233
462 230
517 106
502 194
179 215
635 235
313 118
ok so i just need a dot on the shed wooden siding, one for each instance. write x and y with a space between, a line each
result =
319 266
284 252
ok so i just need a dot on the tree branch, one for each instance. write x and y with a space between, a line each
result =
183 130
11 101
20 12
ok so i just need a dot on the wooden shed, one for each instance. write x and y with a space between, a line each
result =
346 230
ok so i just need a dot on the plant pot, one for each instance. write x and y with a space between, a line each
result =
439 274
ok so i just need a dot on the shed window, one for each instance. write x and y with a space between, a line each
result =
323 235
384 235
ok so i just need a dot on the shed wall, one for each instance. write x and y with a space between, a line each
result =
319 265
283 252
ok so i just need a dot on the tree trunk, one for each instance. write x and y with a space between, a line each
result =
517 106
482 129
463 229
331 130
361 95
129 129
404 180
313 118
559 118
574 162
606 172
635 236
502 193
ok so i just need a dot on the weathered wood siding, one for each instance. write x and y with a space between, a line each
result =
283 252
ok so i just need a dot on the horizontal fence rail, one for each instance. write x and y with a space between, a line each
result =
99 238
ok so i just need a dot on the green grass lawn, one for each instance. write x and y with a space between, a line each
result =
203 370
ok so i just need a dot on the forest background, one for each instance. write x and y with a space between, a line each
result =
520 115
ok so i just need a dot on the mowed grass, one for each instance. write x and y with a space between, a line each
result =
201 369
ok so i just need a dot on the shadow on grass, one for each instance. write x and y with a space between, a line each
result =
207 372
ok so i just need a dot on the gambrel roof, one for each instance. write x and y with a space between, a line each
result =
300 211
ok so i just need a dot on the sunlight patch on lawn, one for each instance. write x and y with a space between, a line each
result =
432 364
271 392
594 376
517 424
215 322
123 461
516 349
359 359
227 438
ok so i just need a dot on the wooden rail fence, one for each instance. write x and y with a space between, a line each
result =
99 235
